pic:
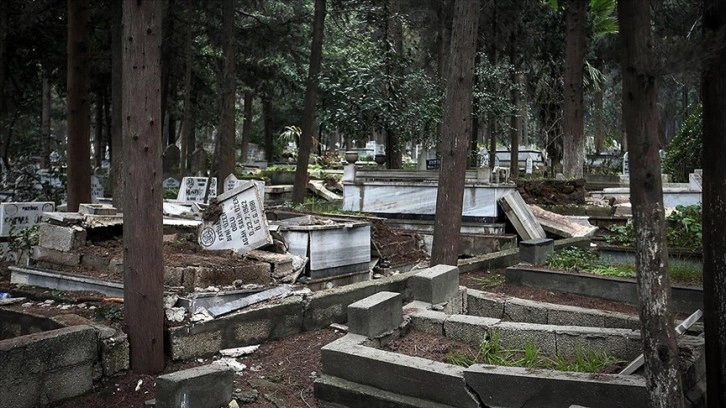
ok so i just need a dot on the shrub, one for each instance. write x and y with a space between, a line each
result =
686 149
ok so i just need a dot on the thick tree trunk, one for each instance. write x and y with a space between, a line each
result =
457 128
143 237
187 143
45 122
118 173
166 77
4 123
599 131
311 97
640 114
714 206
78 105
225 157
394 46
573 154
515 124
246 127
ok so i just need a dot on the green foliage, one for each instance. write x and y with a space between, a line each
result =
683 230
171 193
685 151
21 243
572 258
489 281
110 311
492 352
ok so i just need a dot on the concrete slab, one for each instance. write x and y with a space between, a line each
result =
376 314
520 216
198 387
552 389
435 285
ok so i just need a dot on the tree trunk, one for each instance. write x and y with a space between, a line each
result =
640 114
4 123
268 120
599 131
143 237
714 206
118 173
394 46
225 157
166 78
45 122
573 154
457 128
78 105
515 124
187 143
246 127
311 97
98 145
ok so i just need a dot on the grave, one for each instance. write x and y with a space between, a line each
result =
171 183
241 224
17 217
97 191
194 189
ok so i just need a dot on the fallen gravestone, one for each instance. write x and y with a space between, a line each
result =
521 216
236 221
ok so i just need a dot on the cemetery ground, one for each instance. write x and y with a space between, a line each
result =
281 372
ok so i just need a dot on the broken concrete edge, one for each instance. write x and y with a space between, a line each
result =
684 299
386 375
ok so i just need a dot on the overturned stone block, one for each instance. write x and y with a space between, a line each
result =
61 238
536 251
205 386
435 285
375 315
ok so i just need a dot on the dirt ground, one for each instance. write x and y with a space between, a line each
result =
280 373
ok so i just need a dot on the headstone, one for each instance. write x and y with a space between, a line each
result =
662 155
695 181
171 159
96 189
485 159
626 165
170 183
16 217
232 182
199 161
195 188
241 226
521 216
433 164
528 166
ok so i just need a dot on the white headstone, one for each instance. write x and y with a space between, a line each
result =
241 226
194 189
96 189
171 182
626 165
15 217
232 182
528 165
695 181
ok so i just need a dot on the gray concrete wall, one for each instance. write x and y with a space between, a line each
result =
42 368
16 324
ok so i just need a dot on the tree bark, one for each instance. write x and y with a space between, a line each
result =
599 131
187 143
78 105
45 121
98 145
457 129
246 126
143 236
225 158
4 123
573 154
640 114
311 97
714 205
118 173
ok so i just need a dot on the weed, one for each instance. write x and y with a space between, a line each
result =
572 258
110 312
489 281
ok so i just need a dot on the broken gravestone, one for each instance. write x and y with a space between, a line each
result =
195 188
521 216
236 221
16 217
232 182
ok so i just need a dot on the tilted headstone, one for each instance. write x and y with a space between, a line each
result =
195 188
626 165
232 182
241 226
170 183
16 217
